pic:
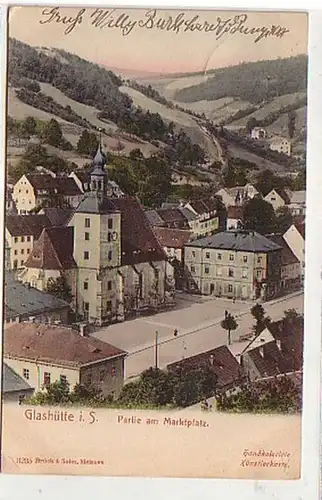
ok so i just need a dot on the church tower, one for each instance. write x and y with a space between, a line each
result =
97 248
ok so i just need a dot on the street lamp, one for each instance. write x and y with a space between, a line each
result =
156 345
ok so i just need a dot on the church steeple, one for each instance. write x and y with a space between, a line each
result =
99 176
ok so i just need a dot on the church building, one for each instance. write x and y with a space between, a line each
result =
116 264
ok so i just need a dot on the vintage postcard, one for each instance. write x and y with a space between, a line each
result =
154 242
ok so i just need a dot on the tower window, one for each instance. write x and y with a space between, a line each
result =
86 255
110 223
109 285
99 185
109 256
85 285
86 236
87 222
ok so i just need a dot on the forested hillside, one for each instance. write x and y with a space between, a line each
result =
254 82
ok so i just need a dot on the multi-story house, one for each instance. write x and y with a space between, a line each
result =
290 264
237 195
42 354
297 204
234 264
278 198
23 302
34 191
14 388
258 133
295 239
21 232
281 145
206 220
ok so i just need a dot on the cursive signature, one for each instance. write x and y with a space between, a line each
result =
183 22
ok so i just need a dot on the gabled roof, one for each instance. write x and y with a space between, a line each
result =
12 382
21 300
220 360
56 344
172 215
238 240
188 214
298 197
63 185
58 216
268 360
287 255
172 238
282 193
27 225
53 250
138 241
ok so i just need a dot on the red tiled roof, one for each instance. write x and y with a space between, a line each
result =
199 207
64 185
300 226
26 225
220 360
53 250
58 344
288 256
138 241
172 238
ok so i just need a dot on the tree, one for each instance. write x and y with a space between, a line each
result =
30 125
87 143
229 323
54 394
60 288
284 219
52 133
258 312
251 123
291 124
259 216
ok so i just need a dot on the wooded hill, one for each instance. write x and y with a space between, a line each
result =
254 82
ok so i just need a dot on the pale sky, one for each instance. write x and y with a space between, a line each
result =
156 50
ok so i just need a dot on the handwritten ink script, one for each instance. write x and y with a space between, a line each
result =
183 22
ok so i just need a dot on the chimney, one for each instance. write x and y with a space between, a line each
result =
211 359
83 329
261 351
279 345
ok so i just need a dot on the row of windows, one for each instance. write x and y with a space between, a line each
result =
87 255
109 236
109 285
206 224
22 251
88 223
22 239
102 375
15 263
46 379
230 274
231 257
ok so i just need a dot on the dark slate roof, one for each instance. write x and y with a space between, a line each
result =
12 382
24 301
154 218
244 241
220 360
51 343
91 204
186 212
53 250
58 216
27 225
138 241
